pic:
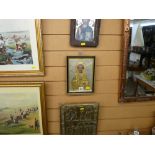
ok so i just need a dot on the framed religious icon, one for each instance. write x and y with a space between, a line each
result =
20 47
84 32
22 108
80 74
79 119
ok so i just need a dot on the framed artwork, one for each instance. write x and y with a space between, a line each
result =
22 108
80 74
20 47
79 119
84 32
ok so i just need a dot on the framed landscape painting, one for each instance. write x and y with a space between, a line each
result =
80 74
84 32
22 108
20 47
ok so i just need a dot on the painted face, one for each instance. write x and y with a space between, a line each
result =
85 21
80 68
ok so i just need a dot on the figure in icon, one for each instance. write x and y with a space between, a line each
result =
80 80
84 31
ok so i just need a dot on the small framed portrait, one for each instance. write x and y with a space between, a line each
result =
20 47
22 108
80 74
79 118
84 32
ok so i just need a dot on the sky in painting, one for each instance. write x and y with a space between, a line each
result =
18 96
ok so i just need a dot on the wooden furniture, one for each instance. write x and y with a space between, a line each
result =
140 80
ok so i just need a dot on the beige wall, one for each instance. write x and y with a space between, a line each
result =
114 118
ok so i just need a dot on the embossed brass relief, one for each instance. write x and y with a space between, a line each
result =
79 119
138 60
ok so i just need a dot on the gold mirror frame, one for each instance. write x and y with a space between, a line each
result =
124 59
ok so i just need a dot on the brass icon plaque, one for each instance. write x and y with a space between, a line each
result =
79 119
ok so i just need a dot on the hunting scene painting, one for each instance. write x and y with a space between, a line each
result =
15 48
21 47
20 110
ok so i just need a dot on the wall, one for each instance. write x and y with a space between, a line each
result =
114 117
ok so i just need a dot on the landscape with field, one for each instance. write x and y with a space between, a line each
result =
20 111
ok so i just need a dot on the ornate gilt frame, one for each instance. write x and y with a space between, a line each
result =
41 86
39 72
124 57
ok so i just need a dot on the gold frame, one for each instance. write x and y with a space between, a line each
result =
41 86
39 72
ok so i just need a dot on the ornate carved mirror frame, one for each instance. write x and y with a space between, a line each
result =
124 63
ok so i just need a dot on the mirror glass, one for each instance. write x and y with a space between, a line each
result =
140 65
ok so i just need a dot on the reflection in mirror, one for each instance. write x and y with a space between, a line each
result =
139 71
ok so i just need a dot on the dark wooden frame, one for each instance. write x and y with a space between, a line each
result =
81 57
77 43
124 63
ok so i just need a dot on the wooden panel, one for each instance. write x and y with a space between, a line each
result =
120 124
102 72
59 88
114 124
126 112
53 127
55 74
59 74
102 99
23 79
139 104
111 26
51 74
105 100
145 131
55 26
61 42
55 88
61 26
112 113
106 58
107 73
107 86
